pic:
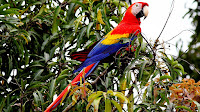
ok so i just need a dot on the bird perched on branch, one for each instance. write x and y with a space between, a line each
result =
129 27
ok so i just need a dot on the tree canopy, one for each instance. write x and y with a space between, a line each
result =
191 57
37 38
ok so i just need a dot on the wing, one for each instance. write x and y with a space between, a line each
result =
110 44
82 55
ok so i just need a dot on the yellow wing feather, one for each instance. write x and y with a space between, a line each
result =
113 38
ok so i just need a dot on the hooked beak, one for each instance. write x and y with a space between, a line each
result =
145 11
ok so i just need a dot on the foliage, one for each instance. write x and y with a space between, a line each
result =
185 93
37 38
190 58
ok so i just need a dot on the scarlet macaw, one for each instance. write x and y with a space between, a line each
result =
108 45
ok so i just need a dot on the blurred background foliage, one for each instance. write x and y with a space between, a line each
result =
190 58
37 38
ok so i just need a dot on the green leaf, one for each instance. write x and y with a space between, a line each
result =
123 83
41 11
88 29
9 11
170 68
88 105
140 38
80 37
143 46
116 19
2 51
180 67
26 56
131 104
37 75
64 71
121 95
108 82
41 99
52 52
35 85
23 83
21 48
2 103
24 105
137 51
108 106
164 99
142 70
70 10
80 3
77 22
119 108
60 77
96 104
55 20
155 73
37 3
52 88
137 109
36 98
92 97
130 66
4 6
95 95
184 107
166 77
128 79
46 56
178 71
174 63
74 99
110 92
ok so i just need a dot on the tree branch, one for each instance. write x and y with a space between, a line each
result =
98 77
71 106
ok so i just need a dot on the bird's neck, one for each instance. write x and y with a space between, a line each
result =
131 19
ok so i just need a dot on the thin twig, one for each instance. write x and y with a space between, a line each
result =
180 33
71 106
190 65
172 7
154 54
7 81
197 39
98 77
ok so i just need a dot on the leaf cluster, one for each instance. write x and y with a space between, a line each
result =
37 38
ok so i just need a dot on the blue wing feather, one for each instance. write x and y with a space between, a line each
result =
100 52
98 48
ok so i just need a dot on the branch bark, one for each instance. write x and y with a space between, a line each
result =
70 106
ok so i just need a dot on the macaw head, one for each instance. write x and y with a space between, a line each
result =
136 11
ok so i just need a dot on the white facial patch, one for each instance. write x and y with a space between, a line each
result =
136 8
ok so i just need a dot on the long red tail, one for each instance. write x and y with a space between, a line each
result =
76 80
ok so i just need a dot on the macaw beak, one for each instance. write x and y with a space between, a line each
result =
145 11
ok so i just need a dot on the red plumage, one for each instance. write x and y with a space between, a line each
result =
82 55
